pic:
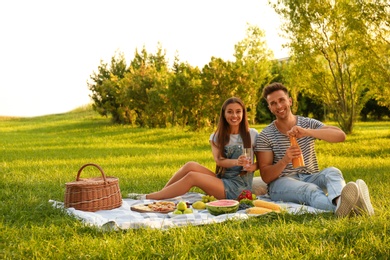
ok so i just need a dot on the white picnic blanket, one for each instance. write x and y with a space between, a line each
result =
124 218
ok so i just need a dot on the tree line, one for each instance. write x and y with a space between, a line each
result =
339 68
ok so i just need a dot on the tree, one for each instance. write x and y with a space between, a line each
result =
145 88
374 110
105 87
337 46
253 67
184 94
217 86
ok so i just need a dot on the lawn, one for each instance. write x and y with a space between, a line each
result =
39 155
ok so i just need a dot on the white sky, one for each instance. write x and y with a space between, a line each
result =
49 48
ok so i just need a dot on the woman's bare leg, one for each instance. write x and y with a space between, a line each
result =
208 183
188 167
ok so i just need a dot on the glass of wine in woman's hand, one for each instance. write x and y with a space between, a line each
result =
248 156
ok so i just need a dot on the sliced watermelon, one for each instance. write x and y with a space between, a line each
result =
219 207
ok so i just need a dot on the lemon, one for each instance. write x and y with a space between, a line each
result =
199 205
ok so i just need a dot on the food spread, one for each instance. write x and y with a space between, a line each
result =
158 206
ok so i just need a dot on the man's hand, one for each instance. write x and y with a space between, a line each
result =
327 133
297 132
291 153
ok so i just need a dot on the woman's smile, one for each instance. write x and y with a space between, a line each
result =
233 114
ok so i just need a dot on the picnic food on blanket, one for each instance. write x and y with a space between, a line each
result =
182 208
157 207
246 194
263 207
186 211
246 199
208 198
162 206
246 203
199 205
219 207
257 210
177 212
266 204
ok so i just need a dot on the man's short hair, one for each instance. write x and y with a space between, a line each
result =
275 86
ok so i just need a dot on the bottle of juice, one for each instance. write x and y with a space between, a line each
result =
296 162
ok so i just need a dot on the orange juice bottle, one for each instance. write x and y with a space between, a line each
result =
296 162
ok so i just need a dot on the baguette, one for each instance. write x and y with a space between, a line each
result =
266 204
257 210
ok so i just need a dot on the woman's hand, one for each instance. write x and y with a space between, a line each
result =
251 168
241 161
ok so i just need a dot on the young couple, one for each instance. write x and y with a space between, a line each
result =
323 189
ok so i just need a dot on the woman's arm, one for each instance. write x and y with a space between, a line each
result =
223 162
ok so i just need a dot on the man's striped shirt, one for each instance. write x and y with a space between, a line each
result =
272 140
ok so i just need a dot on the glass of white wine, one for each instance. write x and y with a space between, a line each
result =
247 152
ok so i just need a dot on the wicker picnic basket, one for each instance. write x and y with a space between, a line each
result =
93 194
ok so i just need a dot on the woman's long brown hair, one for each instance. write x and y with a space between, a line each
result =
223 129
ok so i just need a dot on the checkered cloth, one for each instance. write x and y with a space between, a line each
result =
124 218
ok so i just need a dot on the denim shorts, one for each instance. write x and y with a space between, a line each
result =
235 185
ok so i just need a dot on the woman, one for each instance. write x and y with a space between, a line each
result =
231 136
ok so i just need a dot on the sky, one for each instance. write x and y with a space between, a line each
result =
49 48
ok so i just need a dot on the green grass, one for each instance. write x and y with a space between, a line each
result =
39 155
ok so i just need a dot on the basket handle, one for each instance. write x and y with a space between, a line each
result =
91 164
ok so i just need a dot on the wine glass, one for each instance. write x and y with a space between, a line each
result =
247 152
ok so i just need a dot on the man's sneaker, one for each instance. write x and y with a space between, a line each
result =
136 196
347 200
363 204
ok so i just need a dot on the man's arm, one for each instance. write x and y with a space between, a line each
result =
330 134
269 171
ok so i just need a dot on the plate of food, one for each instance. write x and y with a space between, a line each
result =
155 207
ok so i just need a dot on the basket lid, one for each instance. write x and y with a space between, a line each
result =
92 181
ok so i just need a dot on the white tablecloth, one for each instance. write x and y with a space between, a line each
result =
124 218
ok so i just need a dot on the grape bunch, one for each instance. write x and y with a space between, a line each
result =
244 206
208 198
245 203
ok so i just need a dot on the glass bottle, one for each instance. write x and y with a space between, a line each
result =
296 162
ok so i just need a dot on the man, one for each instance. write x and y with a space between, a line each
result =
325 189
